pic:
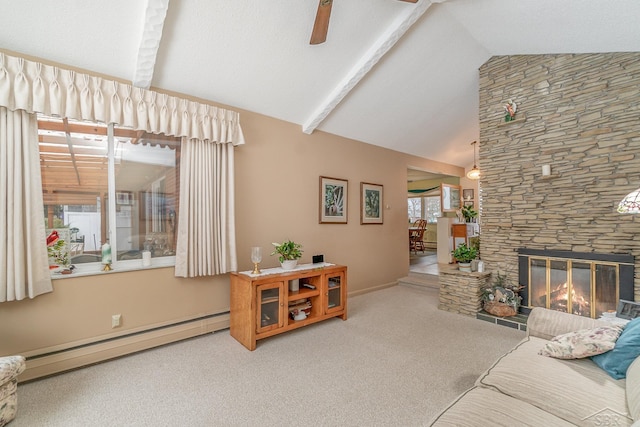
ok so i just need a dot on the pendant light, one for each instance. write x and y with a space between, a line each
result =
631 203
475 172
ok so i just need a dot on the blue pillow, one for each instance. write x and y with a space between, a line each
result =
616 362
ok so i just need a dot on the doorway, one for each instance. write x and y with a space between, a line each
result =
423 202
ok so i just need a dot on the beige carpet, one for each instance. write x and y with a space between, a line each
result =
397 361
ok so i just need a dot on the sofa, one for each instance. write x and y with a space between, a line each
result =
10 368
525 388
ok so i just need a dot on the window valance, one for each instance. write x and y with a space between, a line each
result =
36 87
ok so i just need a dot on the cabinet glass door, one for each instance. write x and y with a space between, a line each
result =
334 294
270 303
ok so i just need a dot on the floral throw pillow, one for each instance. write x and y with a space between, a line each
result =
583 343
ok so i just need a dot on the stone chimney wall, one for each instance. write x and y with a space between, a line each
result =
580 114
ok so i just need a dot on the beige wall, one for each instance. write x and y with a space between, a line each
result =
277 185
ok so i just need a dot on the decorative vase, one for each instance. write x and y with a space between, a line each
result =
464 266
289 264
499 309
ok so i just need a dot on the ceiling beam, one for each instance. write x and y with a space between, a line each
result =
154 18
380 48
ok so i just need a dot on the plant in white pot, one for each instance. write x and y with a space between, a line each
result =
469 213
289 253
464 255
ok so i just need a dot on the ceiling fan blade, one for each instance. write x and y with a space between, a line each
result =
321 26
410 1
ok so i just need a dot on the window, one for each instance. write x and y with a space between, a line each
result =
108 183
415 209
424 208
432 209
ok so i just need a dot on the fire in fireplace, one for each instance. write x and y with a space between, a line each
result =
586 284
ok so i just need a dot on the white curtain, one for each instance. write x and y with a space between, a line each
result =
24 267
206 226
36 87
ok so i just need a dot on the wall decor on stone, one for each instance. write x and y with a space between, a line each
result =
510 107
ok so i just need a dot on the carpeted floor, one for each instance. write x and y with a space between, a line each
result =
397 361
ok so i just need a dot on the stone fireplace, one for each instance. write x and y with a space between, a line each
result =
577 114
585 284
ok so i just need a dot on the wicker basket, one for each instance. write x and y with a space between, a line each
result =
499 309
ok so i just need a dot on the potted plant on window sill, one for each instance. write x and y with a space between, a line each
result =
289 253
464 255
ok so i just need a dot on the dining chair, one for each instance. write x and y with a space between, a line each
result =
416 242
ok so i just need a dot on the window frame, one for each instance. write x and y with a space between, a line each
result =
95 268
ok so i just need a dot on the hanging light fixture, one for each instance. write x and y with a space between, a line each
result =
475 172
631 203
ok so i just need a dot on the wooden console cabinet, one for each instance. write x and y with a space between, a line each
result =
262 305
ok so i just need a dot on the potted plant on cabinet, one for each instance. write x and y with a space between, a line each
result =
464 255
469 213
289 252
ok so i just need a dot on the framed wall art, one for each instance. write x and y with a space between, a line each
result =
450 197
628 309
333 200
370 203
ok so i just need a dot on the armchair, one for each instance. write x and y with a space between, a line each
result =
10 368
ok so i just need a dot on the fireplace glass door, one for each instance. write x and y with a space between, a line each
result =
584 288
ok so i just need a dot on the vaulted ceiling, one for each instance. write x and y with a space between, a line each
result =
391 73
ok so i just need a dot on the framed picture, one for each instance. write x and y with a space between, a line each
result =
333 200
450 200
628 309
370 203
467 194
123 198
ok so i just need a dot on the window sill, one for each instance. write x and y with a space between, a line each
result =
95 268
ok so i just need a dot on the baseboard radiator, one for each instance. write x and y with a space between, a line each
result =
54 360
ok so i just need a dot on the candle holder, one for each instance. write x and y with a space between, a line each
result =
256 257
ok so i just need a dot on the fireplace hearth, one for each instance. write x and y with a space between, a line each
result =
585 284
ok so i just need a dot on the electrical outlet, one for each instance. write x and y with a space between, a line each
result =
116 320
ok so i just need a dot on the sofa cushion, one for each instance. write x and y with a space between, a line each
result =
483 407
627 349
633 389
575 390
546 324
583 343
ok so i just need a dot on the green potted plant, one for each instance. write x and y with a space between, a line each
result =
469 213
464 255
289 252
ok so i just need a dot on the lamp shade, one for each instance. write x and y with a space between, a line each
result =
474 173
631 203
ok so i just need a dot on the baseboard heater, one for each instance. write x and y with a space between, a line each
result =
46 362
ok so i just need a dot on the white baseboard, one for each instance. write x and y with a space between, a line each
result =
48 363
